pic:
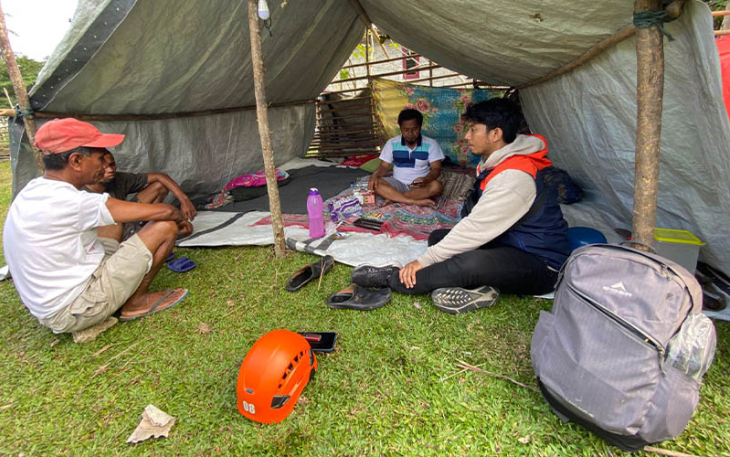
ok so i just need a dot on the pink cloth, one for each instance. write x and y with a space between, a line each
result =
257 179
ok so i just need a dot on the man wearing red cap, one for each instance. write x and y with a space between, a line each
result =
62 244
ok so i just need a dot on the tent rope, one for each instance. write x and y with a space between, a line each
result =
654 18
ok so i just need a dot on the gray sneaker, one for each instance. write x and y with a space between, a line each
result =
455 300
370 276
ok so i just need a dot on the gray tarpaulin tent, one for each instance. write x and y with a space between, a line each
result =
152 57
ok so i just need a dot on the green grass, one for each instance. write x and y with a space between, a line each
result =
382 392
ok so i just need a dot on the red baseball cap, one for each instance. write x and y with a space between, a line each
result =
61 135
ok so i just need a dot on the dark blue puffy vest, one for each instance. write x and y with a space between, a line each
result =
541 231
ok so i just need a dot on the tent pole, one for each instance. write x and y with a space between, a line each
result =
19 88
368 24
262 115
649 100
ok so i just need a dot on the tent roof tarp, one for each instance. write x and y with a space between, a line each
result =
164 56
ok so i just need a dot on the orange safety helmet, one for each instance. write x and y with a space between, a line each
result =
273 375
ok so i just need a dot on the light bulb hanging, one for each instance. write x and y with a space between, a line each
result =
264 10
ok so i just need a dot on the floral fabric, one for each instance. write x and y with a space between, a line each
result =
441 108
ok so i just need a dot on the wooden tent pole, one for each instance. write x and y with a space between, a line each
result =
649 100
19 88
262 115
368 24
674 9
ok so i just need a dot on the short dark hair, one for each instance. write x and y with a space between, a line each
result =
408 114
60 160
496 112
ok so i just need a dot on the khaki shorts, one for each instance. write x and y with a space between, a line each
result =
112 283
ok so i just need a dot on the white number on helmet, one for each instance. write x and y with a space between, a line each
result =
249 407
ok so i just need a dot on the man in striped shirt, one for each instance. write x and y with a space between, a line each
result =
416 163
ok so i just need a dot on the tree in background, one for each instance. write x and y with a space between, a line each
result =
29 68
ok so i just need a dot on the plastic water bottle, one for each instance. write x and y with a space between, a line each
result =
314 208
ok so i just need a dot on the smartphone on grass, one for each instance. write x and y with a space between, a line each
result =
320 341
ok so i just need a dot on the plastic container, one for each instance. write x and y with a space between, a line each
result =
680 246
583 236
315 206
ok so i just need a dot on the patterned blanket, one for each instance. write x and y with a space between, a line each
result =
399 219
441 107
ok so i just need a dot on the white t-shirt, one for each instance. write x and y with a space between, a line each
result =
51 243
409 164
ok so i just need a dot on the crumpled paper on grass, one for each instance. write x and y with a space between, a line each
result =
155 422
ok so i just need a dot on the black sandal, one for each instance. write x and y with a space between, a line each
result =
307 273
357 297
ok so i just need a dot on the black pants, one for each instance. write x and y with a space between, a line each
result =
509 269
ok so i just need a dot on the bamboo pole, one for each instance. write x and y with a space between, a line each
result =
649 99
367 53
262 114
336 128
614 39
368 23
21 94
379 62
393 73
674 9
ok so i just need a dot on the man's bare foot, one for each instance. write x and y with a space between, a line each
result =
152 303
424 202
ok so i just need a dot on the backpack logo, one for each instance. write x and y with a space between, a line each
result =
618 289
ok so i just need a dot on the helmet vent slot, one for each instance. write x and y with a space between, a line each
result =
279 400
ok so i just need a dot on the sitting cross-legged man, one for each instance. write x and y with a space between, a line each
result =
149 187
512 237
62 244
416 163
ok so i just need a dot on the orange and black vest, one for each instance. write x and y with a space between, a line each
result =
542 230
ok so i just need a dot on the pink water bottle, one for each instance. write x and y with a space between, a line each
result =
314 208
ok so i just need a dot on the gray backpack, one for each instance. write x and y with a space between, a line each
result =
623 350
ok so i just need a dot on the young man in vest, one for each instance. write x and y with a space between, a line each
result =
512 237
62 244
416 163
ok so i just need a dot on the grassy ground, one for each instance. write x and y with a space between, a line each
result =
389 389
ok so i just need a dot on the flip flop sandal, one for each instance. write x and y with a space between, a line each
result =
154 309
181 265
308 273
357 297
170 257
455 300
